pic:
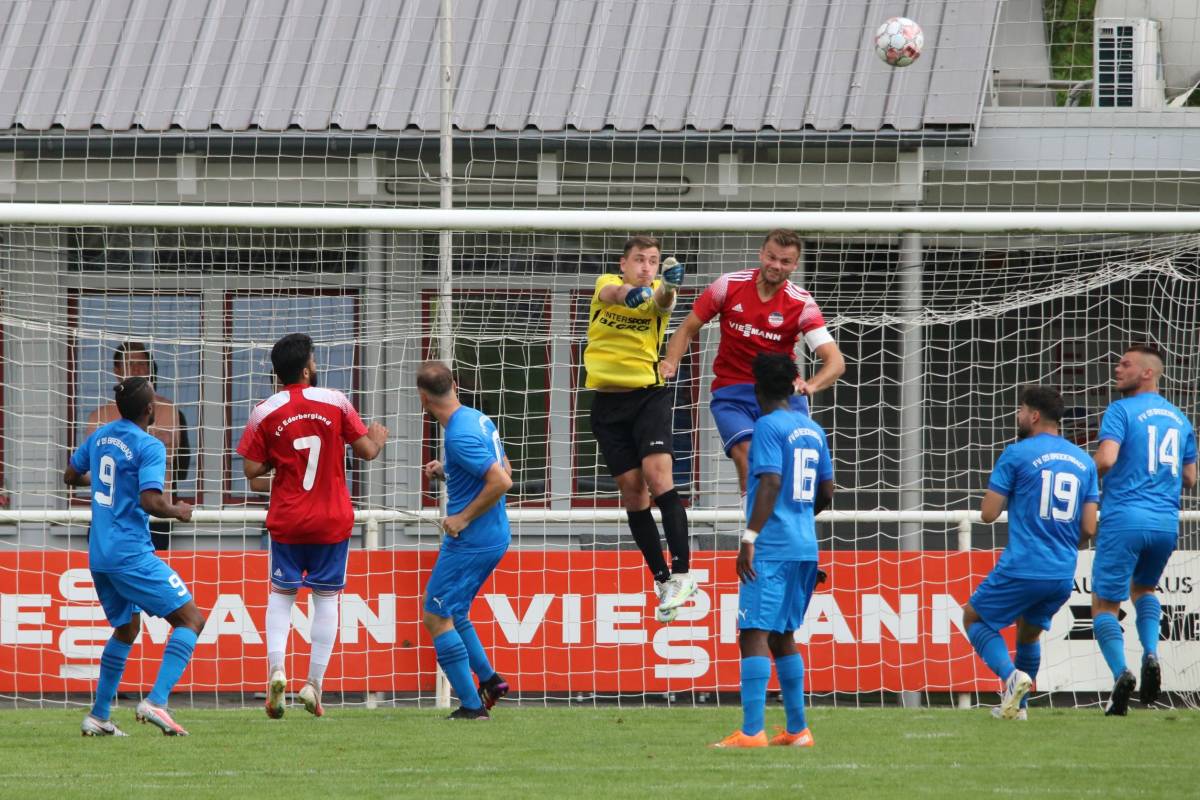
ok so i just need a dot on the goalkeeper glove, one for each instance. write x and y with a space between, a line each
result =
638 295
672 273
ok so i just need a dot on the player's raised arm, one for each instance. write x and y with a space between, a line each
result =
370 445
678 345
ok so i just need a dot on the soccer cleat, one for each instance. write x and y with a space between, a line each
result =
784 739
738 739
1151 679
276 692
1016 687
311 697
491 690
1118 701
1022 714
674 592
462 712
666 616
159 718
100 727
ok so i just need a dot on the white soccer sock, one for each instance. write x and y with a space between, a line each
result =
279 625
324 634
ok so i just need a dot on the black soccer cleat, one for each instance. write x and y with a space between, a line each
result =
491 690
1118 702
1151 679
462 712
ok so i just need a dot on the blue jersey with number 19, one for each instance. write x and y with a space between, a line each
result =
124 461
1141 491
1047 480
791 445
472 446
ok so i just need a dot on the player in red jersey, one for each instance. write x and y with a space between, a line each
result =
301 433
761 312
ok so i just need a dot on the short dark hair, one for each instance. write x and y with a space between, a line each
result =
1044 399
785 238
290 356
775 375
133 396
435 378
641 242
1148 348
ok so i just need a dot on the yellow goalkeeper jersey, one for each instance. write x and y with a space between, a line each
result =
623 343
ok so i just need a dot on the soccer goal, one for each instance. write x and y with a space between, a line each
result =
941 317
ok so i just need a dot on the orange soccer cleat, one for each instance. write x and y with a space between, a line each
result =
739 739
784 739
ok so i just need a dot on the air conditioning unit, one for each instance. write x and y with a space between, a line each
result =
1127 64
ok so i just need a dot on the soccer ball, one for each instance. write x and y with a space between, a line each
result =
899 41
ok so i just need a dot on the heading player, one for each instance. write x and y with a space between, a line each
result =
477 475
791 481
126 468
1051 490
301 433
1147 456
761 312
632 409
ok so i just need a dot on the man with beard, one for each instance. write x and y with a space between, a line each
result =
301 433
1051 491
1147 455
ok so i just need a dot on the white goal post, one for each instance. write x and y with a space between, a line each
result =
941 314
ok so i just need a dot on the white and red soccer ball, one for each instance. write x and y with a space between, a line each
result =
899 41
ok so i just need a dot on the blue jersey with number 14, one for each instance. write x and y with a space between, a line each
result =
791 445
124 461
1141 491
1047 480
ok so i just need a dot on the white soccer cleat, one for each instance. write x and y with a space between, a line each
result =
1022 714
1016 687
276 693
666 616
159 718
675 592
311 697
100 727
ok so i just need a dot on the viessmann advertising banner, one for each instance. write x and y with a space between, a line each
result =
574 622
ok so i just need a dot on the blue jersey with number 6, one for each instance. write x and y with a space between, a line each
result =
1047 481
791 445
124 461
1141 491
472 447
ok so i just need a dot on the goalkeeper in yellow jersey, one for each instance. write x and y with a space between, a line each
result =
632 410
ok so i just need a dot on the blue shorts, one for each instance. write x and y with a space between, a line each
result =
735 409
457 577
149 585
777 597
1129 556
319 566
1001 599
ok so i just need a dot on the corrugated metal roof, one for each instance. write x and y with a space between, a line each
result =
549 65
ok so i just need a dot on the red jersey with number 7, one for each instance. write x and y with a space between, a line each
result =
302 432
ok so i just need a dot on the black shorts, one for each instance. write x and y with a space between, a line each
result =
629 426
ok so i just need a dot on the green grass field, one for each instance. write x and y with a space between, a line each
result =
608 752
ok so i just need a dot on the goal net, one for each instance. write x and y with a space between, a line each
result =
939 331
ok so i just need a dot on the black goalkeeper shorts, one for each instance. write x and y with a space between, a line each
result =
629 426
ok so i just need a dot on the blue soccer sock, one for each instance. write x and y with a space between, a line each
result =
1149 615
991 648
176 656
112 667
791 681
452 655
756 671
1029 661
475 652
1111 640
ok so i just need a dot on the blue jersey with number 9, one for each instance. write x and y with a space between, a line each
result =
1141 491
791 445
1047 481
124 461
